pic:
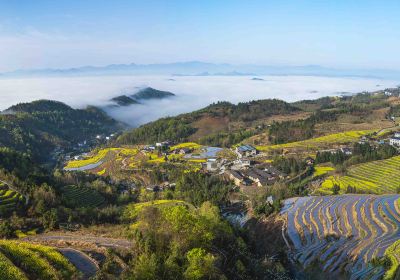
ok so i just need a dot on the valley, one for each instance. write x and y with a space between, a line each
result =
318 176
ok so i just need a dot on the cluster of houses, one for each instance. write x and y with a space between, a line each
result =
258 175
243 171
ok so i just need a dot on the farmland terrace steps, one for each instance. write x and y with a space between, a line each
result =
344 232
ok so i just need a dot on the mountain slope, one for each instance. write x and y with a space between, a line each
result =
36 128
181 127
151 93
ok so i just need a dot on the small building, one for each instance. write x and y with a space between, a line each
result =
347 151
394 141
213 164
236 177
246 151
260 177
397 135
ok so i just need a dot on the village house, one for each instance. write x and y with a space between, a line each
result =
347 151
236 177
213 164
394 141
246 151
274 172
260 177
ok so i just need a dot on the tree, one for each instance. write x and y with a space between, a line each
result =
201 265
335 189
145 268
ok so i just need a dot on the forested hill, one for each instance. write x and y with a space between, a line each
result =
36 128
151 93
222 115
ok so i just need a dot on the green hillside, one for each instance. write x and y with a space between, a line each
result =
36 128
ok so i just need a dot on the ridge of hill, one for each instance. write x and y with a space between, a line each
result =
36 128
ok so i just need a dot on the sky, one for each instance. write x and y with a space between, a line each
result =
62 34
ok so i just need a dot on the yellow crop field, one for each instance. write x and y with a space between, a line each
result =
322 170
100 155
381 176
315 143
189 145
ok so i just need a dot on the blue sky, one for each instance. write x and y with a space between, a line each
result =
59 34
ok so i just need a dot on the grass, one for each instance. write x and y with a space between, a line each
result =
381 176
189 145
319 142
132 210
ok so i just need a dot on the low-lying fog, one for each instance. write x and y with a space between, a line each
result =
192 92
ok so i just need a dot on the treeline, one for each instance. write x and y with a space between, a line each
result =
362 152
180 128
172 129
227 139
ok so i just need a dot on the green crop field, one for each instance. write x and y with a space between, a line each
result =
9 199
81 196
381 176
320 142
23 261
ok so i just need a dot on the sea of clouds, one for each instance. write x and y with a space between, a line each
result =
193 92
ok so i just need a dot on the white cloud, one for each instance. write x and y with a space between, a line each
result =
192 92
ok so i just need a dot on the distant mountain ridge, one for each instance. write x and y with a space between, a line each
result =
143 94
197 68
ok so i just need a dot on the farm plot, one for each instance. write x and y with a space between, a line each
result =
9 199
23 261
97 158
377 177
344 233
326 141
81 196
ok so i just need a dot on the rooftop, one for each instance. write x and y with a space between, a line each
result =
245 148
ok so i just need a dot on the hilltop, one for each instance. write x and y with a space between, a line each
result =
37 128
142 95
151 93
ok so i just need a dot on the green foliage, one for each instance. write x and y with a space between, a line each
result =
292 131
197 188
180 242
179 128
36 128
201 265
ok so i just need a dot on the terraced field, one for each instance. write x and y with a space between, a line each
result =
96 158
81 196
320 142
9 199
344 233
376 177
23 261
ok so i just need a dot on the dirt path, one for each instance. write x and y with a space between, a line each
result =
99 241
81 261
